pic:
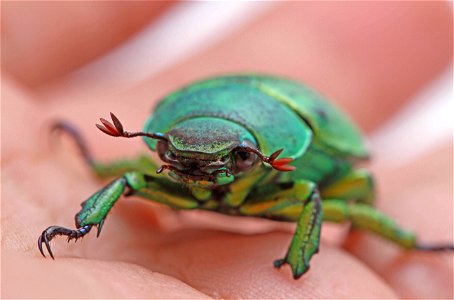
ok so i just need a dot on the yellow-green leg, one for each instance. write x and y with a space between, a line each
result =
96 208
365 217
355 186
300 203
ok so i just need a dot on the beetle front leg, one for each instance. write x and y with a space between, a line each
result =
300 203
94 210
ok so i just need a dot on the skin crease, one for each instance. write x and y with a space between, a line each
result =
146 250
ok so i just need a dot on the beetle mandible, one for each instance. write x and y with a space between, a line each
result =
220 140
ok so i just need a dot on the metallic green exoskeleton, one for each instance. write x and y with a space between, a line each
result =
220 140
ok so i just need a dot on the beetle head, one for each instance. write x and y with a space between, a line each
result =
204 151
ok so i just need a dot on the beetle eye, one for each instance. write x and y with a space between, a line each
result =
244 160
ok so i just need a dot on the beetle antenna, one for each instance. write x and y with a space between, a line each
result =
281 164
116 130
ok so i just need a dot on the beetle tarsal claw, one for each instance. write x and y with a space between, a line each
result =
44 240
278 263
48 234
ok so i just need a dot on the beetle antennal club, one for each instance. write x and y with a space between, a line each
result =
281 164
116 130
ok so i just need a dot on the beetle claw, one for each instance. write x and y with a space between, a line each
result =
48 234
278 263
45 239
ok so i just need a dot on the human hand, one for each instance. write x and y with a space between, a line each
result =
150 251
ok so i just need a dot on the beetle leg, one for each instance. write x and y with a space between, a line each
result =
52 231
142 163
300 203
167 192
365 217
356 186
241 187
94 210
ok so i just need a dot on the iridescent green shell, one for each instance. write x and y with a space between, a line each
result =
279 113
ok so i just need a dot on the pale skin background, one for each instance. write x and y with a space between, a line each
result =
371 58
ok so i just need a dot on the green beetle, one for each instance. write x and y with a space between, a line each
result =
220 140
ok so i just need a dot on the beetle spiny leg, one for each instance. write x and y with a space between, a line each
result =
435 247
100 228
